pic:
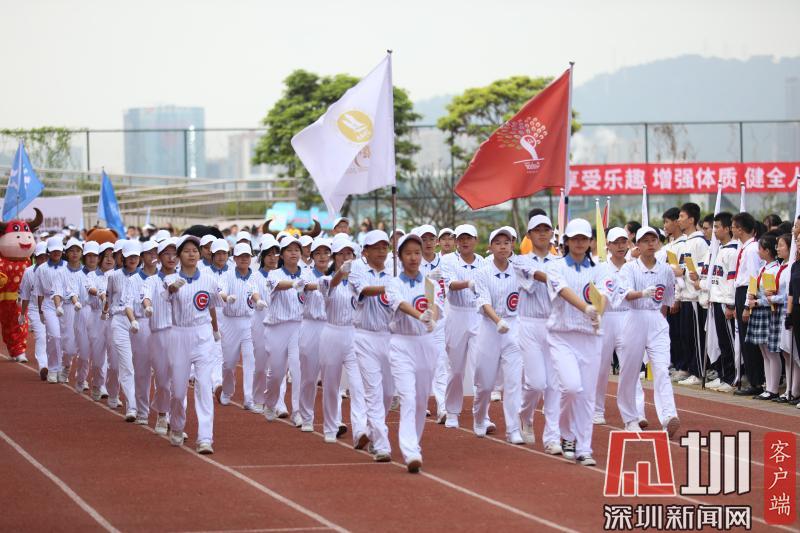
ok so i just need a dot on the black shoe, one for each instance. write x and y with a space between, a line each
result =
341 431
780 399
794 401
749 391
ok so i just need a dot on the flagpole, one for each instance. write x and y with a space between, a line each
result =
20 177
569 136
394 187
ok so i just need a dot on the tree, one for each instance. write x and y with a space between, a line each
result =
477 112
305 98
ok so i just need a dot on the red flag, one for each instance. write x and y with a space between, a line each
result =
606 212
526 154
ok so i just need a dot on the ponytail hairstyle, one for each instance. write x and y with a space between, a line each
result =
787 239
769 242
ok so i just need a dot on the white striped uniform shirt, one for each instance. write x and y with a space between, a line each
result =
426 267
259 279
72 282
202 265
27 283
136 285
98 280
191 302
498 288
83 287
372 312
340 304
218 273
314 301
614 287
50 282
154 289
119 292
534 301
454 268
411 290
243 287
635 276
286 306
566 273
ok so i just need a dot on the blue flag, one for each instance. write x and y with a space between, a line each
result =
23 185
108 209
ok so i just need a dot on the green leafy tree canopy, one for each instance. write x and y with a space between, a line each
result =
305 98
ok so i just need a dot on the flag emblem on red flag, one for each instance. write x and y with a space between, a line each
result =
526 154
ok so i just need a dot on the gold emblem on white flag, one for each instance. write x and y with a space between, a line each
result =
355 125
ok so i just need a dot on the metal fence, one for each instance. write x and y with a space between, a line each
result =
197 173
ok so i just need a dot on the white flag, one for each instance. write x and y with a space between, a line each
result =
712 340
742 206
645 214
793 250
350 149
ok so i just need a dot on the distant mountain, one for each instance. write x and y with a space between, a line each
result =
691 88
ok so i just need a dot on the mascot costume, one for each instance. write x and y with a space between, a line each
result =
16 247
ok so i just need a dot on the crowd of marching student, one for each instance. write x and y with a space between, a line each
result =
137 322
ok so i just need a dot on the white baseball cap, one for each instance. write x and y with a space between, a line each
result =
207 239
423 229
317 243
446 231
281 235
340 219
166 243
340 244
511 230
73 242
578 226
616 233
106 246
400 230
289 240
467 229
409 237
243 236
219 245
161 235
501 231
187 238
306 240
55 244
644 230
131 248
538 220
148 226
241 249
375 236
119 245
41 248
89 247
149 246
268 241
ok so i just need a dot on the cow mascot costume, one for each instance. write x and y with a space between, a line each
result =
16 247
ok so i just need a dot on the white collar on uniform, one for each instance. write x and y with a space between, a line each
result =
644 268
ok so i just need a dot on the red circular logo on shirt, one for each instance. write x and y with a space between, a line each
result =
420 303
441 284
353 301
250 303
201 299
384 299
302 297
586 293
512 301
658 295
610 285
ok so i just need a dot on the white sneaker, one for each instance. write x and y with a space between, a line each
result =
176 438
713 384
441 417
480 430
451 422
527 434
395 403
130 415
224 399
247 406
515 438
598 419
586 460
52 377
141 420
724 387
21 358
633 426
679 375
161 425
113 403
204 448
330 438
568 448
63 375
103 392
691 380
297 420
307 427
491 429
496 396
270 414
553 448
258 408
282 413
96 395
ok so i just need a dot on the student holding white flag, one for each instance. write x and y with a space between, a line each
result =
350 149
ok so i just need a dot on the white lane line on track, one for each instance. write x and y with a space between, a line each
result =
238 475
263 530
80 502
453 486
310 465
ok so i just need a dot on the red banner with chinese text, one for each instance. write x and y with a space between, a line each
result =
780 478
682 178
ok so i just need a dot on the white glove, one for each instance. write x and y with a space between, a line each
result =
21 319
102 296
231 299
217 336
649 292
521 271
347 266
59 311
261 305
591 312
471 284
430 326
148 311
178 283
502 327
134 326
104 316
435 274
596 322
78 306
426 316
299 285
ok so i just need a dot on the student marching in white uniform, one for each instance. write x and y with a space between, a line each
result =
368 281
282 321
574 338
314 320
159 310
268 258
649 288
414 350
99 325
534 310
27 292
120 374
218 267
50 290
459 270
193 294
241 299
497 346
338 354
72 282
91 258
140 338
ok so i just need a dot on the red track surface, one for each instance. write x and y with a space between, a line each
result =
271 477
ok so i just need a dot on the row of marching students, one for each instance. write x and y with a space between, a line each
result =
751 294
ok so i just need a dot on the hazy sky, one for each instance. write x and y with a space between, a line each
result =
81 63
